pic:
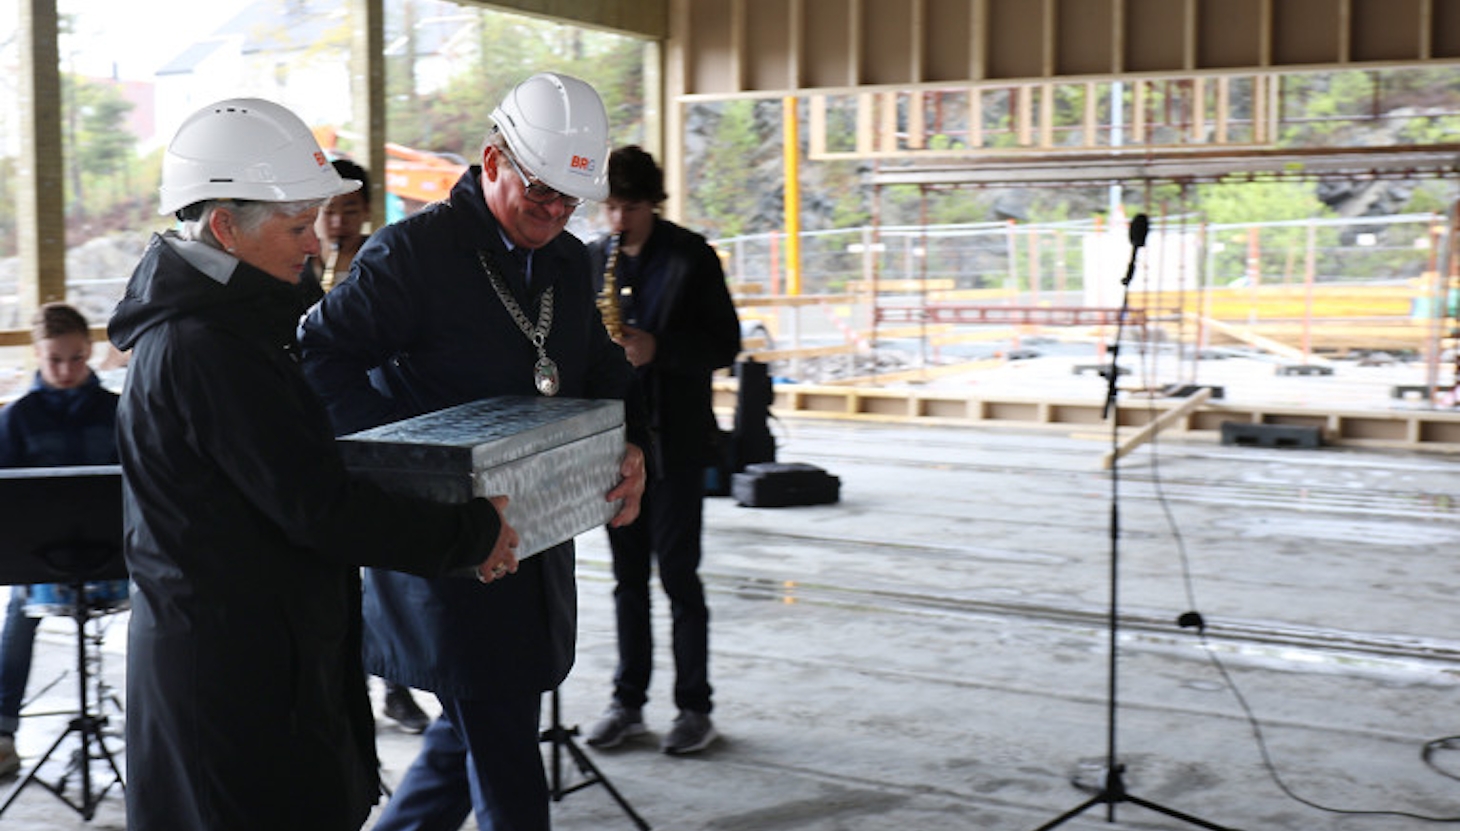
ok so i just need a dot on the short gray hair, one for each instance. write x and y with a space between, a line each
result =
249 214
496 138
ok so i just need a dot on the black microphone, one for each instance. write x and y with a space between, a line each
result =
1139 227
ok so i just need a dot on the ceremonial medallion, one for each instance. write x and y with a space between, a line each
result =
544 372
545 375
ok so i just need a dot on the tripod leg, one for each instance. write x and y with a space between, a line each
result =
88 806
555 783
104 752
1170 812
90 799
588 769
1107 797
34 771
1097 799
557 735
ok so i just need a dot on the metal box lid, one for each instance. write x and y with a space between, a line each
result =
556 458
480 434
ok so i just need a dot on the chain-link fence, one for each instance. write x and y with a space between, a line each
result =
869 296
1029 260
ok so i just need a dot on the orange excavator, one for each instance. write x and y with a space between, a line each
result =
418 176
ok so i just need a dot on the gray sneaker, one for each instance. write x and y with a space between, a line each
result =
616 724
691 733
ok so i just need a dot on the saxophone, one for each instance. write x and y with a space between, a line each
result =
608 297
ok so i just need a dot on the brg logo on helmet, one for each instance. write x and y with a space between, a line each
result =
583 165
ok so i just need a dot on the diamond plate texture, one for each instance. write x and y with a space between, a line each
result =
554 457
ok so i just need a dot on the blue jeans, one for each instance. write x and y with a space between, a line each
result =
17 644
667 532
481 755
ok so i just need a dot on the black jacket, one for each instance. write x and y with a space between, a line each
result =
246 704
697 332
48 427
417 327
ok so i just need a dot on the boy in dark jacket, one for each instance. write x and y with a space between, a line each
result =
67 418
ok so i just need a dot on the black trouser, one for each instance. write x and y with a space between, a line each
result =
667 532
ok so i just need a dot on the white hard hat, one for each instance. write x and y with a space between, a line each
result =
246 148
557 129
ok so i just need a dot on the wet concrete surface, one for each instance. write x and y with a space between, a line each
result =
932 651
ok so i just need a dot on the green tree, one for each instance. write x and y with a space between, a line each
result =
103 145
1259 202
98 145
8 218
723 196
1356 108
501 50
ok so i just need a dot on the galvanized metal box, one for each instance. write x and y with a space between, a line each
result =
555 458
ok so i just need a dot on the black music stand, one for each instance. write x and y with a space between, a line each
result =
64 525
561 738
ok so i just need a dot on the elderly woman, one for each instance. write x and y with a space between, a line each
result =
246 697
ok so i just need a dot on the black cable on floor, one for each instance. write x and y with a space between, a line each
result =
1447 743
1194 620
1271 767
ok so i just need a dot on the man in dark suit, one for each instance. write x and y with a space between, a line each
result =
678 327
439 310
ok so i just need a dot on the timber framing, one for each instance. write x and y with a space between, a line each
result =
708 49
640 18
782 47
1141 165
1430 430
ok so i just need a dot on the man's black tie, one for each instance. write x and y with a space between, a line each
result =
519 257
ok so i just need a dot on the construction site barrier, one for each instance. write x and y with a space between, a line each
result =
1432 430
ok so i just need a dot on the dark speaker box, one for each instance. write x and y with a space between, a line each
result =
784 484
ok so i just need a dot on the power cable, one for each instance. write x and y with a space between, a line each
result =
1447 743
1194 620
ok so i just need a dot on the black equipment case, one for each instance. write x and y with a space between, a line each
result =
783 484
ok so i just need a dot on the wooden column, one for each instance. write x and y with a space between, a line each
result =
675 62
367 95
41 212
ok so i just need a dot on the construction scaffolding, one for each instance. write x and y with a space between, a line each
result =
1302 290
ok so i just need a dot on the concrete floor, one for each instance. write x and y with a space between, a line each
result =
931 652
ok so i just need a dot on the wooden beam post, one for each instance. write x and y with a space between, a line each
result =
367 95
41 212
1158 424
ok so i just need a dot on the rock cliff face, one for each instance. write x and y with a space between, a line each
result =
1376 197
96 273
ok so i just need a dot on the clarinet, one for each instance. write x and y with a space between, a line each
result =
608 297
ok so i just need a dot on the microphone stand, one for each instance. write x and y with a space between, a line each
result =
1113 790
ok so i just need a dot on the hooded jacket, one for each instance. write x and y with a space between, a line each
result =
246 697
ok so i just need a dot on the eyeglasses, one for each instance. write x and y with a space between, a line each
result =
539 193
